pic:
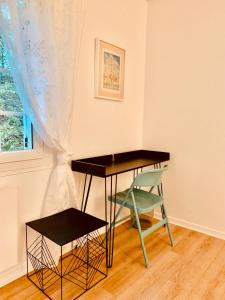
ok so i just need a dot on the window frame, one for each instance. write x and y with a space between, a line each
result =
23 155
35 147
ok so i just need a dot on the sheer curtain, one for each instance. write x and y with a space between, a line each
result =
43 40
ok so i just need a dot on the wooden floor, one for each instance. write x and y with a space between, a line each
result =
193 269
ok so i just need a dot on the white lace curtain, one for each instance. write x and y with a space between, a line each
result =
43 40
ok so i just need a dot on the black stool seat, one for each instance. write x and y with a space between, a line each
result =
66 226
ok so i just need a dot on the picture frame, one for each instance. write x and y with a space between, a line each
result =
109 71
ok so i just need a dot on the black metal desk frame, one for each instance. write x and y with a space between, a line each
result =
109 166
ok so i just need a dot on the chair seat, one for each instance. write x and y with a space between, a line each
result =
145 201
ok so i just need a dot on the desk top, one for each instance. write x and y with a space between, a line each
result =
66 226
108 165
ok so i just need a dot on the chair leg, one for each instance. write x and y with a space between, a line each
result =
163 214
132 218
141 239
168 225
117 215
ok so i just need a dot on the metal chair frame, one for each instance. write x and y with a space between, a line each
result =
150 178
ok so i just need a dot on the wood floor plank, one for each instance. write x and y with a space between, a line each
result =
165 266
211 286
194 269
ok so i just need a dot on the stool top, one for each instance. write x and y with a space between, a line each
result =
66 226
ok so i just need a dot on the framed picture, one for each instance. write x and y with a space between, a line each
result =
109 71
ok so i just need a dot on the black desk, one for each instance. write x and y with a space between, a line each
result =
109 166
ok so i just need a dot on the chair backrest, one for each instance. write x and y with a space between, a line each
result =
149 178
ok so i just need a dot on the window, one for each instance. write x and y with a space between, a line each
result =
16 132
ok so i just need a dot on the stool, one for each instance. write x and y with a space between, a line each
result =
72 274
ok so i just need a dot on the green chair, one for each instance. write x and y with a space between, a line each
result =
140 201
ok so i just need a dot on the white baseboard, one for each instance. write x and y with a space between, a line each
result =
193 226
12 274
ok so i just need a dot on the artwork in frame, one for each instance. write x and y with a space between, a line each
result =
109 71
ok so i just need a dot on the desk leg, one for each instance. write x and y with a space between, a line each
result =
109 218
112 213
86 190
107 226
61 273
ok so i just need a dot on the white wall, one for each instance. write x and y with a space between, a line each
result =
100 126
25 205
104 126
185 106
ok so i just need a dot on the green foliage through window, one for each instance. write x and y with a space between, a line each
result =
15 128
